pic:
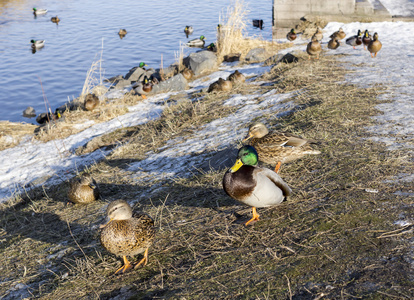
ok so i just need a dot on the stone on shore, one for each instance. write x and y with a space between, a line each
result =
173 84
201 62
29 112
278 58
256 55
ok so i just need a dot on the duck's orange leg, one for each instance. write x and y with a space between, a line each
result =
143 261
144 97
127 265
255 217
277 168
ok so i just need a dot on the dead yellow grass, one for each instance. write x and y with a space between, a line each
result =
12 133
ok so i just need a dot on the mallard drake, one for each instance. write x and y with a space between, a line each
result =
122 33
318 34
144 87
354 40
212 47
91 101
339 35
366 39
142 65
254 186
37 44
314 48
187 73
188 29
127 233
277 147
39 11
197 42
83 189
258 23
375 45
291 36
220 85
333 43
237 77
55 19
47 117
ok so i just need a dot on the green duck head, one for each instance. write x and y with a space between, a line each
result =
142 64
32 41
293 31
247 156
359 32
202 37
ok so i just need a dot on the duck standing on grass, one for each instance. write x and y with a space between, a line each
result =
354 40
366 39
314 48
127 233
278 147
374 46
83 189
254 186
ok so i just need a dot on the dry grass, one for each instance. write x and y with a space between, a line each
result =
12 133
233 38
330 240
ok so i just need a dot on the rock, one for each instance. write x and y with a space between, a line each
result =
29 112
134 74
169 71
175 83
113 79
287 58
232 57
201 61
121 84
256 55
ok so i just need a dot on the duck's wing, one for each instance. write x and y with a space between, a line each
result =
277 180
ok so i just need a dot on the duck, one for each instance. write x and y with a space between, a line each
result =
212 47
339 35
187 73
37 44
314 48
291 35
44 118
39 11
220 85
253 185
197 42
275 148
237 77
366 39
91 102
333 43
374 46
127 234
354 40
142 65
144 87
188 29
55 19
318 34
258 23
122 33
83 189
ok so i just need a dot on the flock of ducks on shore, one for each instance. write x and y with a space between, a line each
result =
127 233
314 47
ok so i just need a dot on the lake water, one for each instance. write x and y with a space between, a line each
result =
154 28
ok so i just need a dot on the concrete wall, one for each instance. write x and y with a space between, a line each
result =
285 11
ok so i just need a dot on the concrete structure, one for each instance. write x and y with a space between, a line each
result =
287 13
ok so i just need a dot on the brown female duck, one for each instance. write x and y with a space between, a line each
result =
237 77
374 46
127 233
83 189
314 48
278 147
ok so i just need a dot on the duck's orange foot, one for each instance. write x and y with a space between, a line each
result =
277 168
144 97
143 261
254 219
127 265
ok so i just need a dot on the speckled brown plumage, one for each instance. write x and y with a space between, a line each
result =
314 48
83 189
187 73
220 85
237 77
91 102
339 35
127 233
374 46
333 44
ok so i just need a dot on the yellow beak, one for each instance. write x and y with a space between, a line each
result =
236 166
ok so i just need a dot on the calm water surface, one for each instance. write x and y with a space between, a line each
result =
154 28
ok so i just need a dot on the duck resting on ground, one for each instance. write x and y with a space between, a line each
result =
144 87
254 186
220 85
276 147
237 77
127 233
291 36
333 43
339 35
314 48
83 189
